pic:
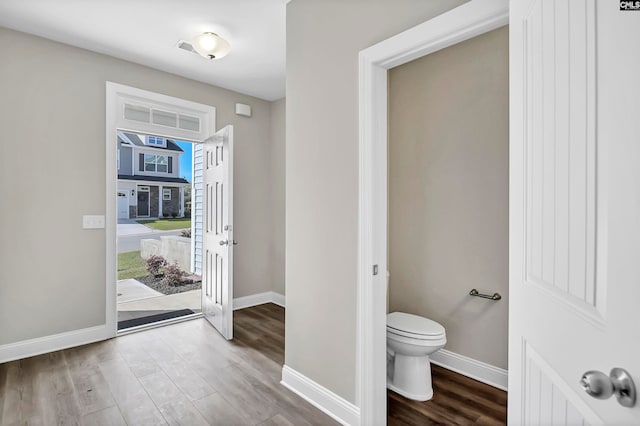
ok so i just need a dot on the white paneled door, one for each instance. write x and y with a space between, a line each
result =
217 273
575 209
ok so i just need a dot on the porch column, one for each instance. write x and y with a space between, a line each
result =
160 202
181 201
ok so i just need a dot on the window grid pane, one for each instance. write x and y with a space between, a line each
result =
156 163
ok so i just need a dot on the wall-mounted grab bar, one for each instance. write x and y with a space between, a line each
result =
495 296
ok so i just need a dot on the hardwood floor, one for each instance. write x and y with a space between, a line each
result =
188 374
457 400
184 373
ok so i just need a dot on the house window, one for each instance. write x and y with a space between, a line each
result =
166 194
156 163
155 140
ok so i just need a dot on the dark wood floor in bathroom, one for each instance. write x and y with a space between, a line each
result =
457 400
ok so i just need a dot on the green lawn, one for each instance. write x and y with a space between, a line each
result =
131 265
167 224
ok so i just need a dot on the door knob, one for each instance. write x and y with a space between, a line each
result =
597 384
235 243
618 382
224 242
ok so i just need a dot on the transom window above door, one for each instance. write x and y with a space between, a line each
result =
156 163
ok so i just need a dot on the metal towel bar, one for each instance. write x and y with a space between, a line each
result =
495 296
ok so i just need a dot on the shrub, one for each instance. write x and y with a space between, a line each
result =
172 275
174 214
186 233
154 264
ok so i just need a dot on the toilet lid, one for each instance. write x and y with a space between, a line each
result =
414 324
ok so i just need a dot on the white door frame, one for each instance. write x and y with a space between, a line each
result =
116 95
459 24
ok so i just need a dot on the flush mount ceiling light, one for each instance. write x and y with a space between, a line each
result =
211 45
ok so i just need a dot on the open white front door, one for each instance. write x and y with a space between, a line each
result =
574 208
217 271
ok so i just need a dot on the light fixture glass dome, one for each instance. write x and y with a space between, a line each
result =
211 45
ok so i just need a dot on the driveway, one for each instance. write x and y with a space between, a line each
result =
131 232
128 227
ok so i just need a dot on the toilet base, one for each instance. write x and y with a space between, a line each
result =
421 397
411 377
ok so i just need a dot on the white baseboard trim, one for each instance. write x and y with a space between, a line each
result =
333 405
278 299
478 370
259 299
55 342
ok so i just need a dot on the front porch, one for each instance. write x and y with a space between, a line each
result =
136 301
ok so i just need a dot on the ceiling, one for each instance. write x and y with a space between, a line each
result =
147 31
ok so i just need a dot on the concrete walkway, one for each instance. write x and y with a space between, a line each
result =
135 296
186 300
128 227
130 290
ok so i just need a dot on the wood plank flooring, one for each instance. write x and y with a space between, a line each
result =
187 374
182 374
457 400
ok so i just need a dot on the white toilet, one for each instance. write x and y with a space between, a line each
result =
410 341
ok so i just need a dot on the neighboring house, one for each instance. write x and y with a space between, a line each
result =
149 182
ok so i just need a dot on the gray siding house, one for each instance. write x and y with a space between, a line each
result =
149 182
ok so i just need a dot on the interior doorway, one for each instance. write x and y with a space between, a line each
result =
459 24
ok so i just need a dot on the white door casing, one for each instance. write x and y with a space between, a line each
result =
574 208
217 273
165 116
461 23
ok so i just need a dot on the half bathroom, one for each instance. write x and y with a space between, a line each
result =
448 174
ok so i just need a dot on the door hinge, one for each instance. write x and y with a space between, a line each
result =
375 269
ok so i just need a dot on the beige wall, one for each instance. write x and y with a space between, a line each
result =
323 41
52 171
448 192
277 193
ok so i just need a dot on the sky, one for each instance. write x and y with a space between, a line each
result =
185 160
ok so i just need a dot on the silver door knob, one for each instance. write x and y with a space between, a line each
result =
224 242
235 243
597 384
618 382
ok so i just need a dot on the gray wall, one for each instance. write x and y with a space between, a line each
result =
278 196
448 192
52 116
323 41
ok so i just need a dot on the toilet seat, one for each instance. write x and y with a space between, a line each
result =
414 326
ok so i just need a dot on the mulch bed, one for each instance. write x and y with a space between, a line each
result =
193 282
